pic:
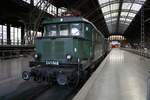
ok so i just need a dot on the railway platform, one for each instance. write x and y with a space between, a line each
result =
121 76
10 74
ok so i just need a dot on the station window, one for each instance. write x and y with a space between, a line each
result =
52 10
42 5
28 1
36 2
3 35
39 34
76 29
15 36
61 11
49 10
51 30
64 30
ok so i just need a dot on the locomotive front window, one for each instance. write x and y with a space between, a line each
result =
51 30
76 29
64 30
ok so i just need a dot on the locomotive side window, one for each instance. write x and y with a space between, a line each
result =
64 30
51 30
76 29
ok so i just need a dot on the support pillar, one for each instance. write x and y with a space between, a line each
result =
57 12
32 2
22 35
2 35
8 35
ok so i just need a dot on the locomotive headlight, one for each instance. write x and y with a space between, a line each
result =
69 57
36 56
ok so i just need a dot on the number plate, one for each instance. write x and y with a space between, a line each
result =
51 62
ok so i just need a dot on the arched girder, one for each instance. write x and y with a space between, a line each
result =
109 18
114 22
118 1
123 10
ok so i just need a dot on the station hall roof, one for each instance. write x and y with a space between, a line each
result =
118 14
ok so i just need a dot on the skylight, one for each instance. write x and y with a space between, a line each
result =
103 1
114 6
124 13
136 7
107 16
126 5
122 19
106 9
132 15
114 14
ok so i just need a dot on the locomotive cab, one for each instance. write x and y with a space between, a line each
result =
63 43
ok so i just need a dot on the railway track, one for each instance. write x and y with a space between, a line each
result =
41 92
56 93
38 91
28 93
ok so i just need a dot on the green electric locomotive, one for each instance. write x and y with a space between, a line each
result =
67 51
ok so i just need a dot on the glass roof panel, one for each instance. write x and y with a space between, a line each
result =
131 15
107 21
142 0
103 1
136 7
114 19
128 20
106 9
127 23
122 19
107 16
112 0
110 23
126 5
114 14
115 6
111 20
124 13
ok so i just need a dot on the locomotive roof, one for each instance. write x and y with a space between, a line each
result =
64 20
68 19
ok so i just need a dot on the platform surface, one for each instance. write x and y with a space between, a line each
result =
10 74
121 76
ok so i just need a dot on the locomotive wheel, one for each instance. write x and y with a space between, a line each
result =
26 75
40 79
37 79
49 81
62 79
74 80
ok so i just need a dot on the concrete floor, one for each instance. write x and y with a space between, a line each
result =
10 74
121 76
